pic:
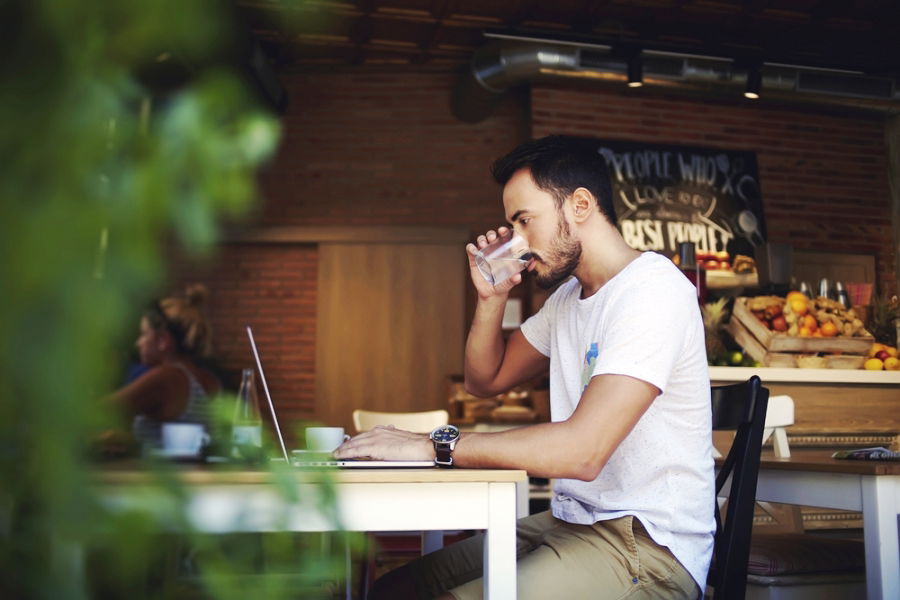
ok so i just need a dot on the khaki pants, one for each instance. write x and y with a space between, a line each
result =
561 561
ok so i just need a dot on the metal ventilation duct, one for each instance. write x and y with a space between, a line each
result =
499 66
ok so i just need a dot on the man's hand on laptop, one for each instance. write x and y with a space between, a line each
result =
387 443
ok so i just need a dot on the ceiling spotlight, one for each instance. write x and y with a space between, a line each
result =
754 83
635 70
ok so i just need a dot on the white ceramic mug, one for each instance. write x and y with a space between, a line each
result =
325 439
184 439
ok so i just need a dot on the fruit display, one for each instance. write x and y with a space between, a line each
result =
796 331
882 357
770 311
797 315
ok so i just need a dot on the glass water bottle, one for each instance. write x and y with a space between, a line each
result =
246 425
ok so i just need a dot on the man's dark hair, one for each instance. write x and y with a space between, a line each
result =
559 165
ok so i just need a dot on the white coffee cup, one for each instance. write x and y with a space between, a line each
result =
325 439
184 439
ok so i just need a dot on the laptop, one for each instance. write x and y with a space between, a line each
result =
345 463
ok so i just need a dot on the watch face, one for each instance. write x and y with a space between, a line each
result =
445 434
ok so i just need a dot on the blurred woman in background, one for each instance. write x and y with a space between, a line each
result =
174 336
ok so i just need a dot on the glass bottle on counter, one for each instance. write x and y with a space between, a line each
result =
687 262
246 424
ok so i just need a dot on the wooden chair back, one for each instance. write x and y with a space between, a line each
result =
418 422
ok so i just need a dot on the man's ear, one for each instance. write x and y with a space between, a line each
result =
582 204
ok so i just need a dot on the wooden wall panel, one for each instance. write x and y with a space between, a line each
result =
811 266
391 327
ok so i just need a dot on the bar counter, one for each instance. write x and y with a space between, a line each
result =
832 407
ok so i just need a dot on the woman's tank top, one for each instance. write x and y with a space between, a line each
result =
148 431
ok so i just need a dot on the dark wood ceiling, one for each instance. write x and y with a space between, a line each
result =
856 35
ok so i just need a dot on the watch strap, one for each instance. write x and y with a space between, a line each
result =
443 455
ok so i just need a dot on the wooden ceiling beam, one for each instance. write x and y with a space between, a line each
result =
440 10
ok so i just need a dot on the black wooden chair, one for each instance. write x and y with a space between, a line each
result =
740 407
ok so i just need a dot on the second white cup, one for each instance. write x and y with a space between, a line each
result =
325 439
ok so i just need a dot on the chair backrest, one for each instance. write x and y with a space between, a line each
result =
418 422
740 407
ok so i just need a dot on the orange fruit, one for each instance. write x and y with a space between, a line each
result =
805 332
795 296
828 329
809 322
800 307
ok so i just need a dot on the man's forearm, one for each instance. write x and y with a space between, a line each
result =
485 346
576 448
544 450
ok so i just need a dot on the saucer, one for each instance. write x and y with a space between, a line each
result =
305 455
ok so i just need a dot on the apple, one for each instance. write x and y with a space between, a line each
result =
779 323
882 355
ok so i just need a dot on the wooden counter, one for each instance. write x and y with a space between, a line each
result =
832 407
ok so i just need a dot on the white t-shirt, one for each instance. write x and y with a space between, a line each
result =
645 323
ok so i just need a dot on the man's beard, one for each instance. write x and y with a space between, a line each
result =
565 252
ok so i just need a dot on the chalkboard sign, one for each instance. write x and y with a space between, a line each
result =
665 194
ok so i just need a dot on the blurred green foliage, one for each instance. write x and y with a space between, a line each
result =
97 173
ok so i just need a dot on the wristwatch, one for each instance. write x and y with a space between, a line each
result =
444 439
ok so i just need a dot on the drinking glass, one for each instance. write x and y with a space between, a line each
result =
503 258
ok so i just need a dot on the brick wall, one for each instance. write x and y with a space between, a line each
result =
824 175
381 148
273 289
359 148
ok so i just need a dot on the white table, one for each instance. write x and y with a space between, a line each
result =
367 500
813 478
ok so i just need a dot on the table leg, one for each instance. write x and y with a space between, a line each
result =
500 543
880 498
523 490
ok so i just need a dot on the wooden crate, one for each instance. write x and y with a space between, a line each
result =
773 349
755 348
